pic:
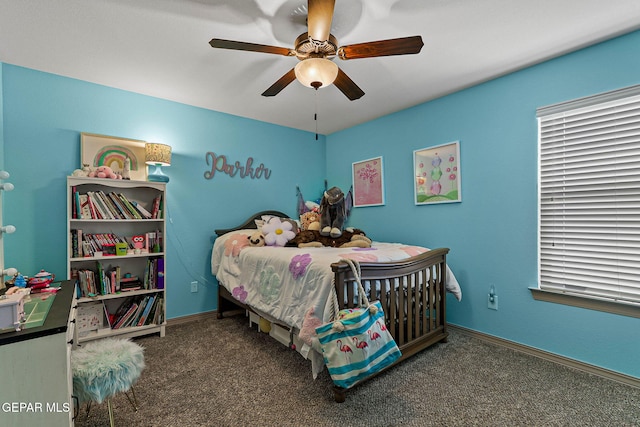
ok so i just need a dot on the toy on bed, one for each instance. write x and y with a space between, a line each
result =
333 212
350 238
256 239
277 232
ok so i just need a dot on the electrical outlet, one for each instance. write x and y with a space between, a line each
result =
194 286
493 305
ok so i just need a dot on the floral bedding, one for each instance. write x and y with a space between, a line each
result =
283 283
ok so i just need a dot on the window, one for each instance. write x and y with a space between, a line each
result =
589 200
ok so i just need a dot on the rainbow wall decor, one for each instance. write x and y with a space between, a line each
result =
114 156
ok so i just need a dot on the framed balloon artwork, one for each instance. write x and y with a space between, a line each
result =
368 182
103 150
437 174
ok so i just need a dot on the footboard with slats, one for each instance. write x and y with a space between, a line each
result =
412 293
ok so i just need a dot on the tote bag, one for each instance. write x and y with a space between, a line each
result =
357 343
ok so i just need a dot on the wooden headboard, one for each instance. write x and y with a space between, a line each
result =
251 222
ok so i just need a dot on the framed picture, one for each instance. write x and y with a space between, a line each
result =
102 150
437 174
368 183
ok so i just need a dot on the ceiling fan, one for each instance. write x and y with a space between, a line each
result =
317 47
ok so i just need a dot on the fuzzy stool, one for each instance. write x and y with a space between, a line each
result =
103 368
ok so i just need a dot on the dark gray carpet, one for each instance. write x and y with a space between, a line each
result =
221 373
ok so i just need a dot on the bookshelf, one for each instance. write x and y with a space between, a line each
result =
116 234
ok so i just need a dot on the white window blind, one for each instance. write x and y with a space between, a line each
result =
589 196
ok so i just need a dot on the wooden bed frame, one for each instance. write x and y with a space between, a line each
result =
415 314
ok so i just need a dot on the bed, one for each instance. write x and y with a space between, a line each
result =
291 288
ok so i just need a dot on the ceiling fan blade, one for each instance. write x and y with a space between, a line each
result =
347 86
319 19
251 47
280 84
401 46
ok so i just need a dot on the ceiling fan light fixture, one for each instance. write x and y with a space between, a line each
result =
316 72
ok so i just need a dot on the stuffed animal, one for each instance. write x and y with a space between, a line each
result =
277 232
333 212
309 325
308 219
350 238
104 172
126 170
256 239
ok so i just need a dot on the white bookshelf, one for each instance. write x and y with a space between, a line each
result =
134 263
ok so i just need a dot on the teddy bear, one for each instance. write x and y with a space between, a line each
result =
333 212
309 219
104 172
350 238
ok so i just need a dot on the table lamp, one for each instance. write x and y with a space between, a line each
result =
156 156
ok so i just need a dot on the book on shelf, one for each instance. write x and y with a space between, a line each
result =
120 311
127 316
158 314
85 210
156 212
80 243
157 302
101 209
146 311
74 244
145 213
133 321
135 214
131 283
111 205
122 211
74 212
108 203
87 283
159 273
76 199
138 310
92 207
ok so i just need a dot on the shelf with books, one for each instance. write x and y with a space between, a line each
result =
116 254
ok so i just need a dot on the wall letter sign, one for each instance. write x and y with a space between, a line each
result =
220 164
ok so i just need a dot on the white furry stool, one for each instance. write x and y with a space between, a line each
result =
103 368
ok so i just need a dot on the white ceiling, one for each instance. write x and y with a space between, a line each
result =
160 48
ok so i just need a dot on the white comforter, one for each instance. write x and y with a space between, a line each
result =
284 283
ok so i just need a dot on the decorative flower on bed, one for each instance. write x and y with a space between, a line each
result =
298 265
234 244
277 233
239 293
269 285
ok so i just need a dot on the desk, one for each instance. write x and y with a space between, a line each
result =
35 368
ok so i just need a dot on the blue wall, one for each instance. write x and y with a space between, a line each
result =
492 233
43 117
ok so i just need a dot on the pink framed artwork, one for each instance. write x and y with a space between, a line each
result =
437 174
368 183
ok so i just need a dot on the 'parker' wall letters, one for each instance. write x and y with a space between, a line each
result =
221 164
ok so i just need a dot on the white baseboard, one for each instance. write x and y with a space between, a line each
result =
562 360
192 317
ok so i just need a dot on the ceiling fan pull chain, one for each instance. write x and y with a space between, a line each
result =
315 116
